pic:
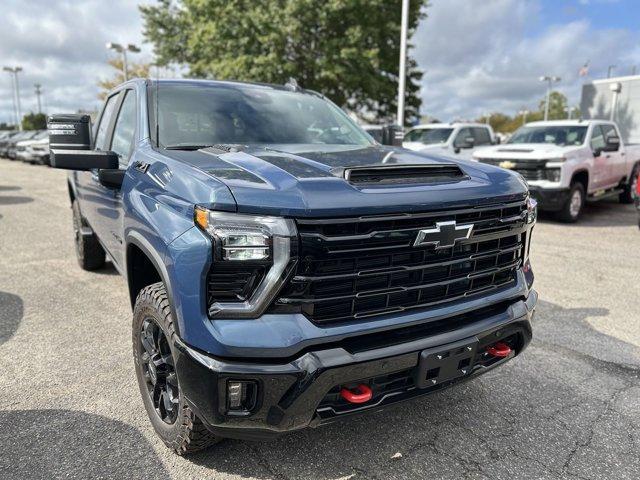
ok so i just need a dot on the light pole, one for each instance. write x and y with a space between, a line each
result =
549 80
524 114
611 67
402 71
16 93
38 89
123 49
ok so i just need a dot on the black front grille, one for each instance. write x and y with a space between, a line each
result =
361 267
529 169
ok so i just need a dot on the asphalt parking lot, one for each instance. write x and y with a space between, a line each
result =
569 407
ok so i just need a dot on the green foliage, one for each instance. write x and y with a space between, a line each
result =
134 70
557 111
7 126
34 121
346 49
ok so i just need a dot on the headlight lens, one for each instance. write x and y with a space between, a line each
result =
532 210
242 239
553 174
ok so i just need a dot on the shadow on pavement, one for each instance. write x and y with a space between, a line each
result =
11 313
554 412
14 200
9 188
45 444
108 269
605 213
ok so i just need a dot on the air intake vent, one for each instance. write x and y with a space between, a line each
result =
403 174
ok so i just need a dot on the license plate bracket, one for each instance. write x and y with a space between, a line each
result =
447 362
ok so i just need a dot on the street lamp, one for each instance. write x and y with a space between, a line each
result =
123 49
524 114
549 80
16 93
402 70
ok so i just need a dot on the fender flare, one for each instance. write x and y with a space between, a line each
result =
135 238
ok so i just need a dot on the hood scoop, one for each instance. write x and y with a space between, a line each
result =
403 174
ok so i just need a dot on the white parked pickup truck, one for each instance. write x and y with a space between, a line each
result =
568 162
449 139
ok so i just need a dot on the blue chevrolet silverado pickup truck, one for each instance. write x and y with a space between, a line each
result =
285 270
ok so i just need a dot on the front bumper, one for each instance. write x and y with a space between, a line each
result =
550 199
296 393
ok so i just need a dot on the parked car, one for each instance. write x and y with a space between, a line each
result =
12 144
6 137
449 139
34 150
637 196
285 271
568 162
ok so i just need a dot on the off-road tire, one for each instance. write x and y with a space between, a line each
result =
187 434
89 252
629 187
568 213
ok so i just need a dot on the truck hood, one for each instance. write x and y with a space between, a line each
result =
308 180
525 151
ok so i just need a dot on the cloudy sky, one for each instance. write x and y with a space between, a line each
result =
478 56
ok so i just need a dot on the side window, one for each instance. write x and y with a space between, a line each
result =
481 136
608 131
105 119
463 134
125 127
597 138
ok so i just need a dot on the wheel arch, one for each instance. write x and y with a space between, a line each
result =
581 176
145 266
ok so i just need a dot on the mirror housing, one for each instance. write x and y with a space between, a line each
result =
69 131
392 135
613 144
84 160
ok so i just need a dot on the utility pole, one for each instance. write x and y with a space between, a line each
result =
611 67
524 112
123 49
402 71
38 88
16 93
549 80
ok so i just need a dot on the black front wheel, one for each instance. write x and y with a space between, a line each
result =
630 187
572 208
153 334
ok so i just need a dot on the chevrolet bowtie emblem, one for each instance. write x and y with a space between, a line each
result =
507 164
443 235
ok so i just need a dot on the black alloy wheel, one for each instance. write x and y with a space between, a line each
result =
159 371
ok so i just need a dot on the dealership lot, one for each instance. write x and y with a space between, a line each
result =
569 407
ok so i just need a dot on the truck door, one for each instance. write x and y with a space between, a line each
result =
599 173
88 189
108 214
616 160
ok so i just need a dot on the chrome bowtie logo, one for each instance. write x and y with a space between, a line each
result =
443 235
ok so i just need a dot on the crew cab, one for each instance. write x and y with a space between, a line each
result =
449 139
568 162
284 269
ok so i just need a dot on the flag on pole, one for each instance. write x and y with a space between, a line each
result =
584 71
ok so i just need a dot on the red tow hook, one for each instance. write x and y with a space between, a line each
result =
360 394
500 350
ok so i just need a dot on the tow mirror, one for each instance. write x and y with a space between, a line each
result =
83 159
392 135
69 131
613 143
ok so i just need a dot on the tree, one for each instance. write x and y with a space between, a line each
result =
557 106
135 70
345 49
7 126
34 121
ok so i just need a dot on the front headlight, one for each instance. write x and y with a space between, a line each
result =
244 244
532 210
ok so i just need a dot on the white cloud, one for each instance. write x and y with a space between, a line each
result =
489 58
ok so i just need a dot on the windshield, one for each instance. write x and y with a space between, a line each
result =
428 136
559 135
201 114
